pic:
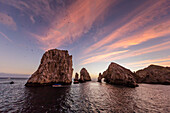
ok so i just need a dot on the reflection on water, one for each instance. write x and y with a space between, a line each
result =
85 97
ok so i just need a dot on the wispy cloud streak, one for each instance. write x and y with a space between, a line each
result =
137 27
5 37
148 62
80 18
112 56
102 57
155 48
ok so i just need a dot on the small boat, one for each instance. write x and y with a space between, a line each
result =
56 85
12 82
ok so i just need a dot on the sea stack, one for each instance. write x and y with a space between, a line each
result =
55 67
84 75
154 74
100 77
118 75
76 79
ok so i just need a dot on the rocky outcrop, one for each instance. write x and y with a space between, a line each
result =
118 75
100 77
154 74
76 77
55 67
84 75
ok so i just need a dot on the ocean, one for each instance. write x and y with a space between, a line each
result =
89 97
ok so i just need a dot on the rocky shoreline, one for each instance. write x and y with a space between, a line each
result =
56 67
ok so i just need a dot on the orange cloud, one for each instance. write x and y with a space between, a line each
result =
79 19
144 20
159 47
102 57
5 36
152 32
126 53
148 62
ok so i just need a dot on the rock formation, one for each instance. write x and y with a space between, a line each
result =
84 75
118 75
100 77
76 77
154 74
55 67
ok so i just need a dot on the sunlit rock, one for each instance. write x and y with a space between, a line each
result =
84 75
154 74
55 67
118 75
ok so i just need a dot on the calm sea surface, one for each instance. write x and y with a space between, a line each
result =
87 97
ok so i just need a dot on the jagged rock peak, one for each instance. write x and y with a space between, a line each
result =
55 67
118 75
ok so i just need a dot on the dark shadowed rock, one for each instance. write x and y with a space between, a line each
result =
154 74
84 75
100 77
118 75
55 67
76 79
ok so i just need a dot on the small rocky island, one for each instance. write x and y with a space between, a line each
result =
84 75
118 75
76 79
55 67
154 74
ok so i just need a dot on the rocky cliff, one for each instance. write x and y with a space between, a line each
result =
154 74
118 75
55 67
84 75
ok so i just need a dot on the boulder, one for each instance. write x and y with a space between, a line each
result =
55 67
100 77
153 74
84 75
118 75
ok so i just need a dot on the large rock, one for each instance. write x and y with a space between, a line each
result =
118 75
154 74
100 77
76 77
55 67
84 75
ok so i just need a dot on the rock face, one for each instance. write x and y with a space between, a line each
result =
118 75
55 67
100 77
84 75
154 74
76 77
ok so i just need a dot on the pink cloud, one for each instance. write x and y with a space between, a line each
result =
81 16
8 21
156 13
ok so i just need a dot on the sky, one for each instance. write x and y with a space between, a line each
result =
132 33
